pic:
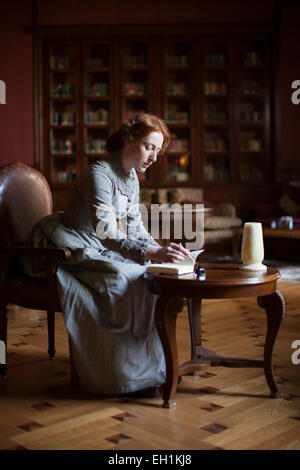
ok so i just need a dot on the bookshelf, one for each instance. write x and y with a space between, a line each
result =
97 99
178 112
253 139
136 84
217 117
214 91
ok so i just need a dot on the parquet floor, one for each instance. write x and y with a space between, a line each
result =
221 408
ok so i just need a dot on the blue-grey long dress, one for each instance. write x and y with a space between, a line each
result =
103 290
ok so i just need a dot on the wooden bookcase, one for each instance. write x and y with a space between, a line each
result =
178 111
214 91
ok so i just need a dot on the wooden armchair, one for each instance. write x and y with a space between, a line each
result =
25 198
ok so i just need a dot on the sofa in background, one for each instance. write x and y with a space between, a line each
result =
287 203
218 224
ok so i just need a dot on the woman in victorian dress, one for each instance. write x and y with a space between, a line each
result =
103 290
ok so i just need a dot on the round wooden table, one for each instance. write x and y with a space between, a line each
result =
222 281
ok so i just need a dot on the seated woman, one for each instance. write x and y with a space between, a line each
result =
108 308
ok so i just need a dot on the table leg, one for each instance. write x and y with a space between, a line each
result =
166 314
275 309
3 338
194 312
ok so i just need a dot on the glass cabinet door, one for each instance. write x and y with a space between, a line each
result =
177 111
216 118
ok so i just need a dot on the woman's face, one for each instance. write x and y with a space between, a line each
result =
143 152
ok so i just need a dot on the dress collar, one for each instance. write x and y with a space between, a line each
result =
117 164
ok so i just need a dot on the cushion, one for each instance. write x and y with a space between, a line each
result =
176 196
289 206
179 195
146 196
220 223
224 209
162 196
217 234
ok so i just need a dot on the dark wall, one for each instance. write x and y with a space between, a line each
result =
289 70
16 116
154 11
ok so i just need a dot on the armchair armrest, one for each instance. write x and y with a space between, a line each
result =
61 254
52 255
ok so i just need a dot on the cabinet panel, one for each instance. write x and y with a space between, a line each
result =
178 111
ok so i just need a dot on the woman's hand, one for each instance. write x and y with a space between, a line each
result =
167 254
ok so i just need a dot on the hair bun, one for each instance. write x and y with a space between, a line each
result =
136 128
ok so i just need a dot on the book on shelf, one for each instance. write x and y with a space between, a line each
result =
132 113
66 147
181 267
99 116
214 116
215 59
95 146
172 115
63 118
61 90
177 89
216 172
179 145
96 62
252 58
215 144
133 88
177 60
60 63
134 60
97 89
65 176
215 88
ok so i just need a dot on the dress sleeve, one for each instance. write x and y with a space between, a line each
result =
99 189
135 225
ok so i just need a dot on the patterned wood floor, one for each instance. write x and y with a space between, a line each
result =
221 408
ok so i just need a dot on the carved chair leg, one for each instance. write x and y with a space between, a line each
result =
3 339
194 313
166 315
75 383
51 333
275 309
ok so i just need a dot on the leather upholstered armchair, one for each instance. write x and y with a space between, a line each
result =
25 198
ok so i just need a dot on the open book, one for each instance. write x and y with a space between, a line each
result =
181 267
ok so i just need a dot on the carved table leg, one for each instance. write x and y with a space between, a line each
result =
166 315
3 338
275 309
194 312
51 333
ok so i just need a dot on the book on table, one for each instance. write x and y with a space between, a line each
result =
185 266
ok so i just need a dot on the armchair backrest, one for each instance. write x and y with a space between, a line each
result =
25 198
